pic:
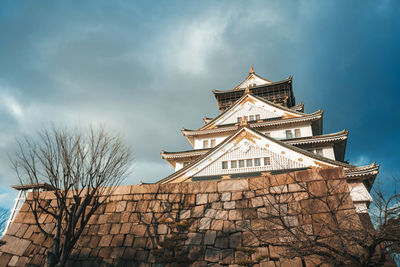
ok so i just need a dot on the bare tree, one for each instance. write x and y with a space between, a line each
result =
315 220
83 167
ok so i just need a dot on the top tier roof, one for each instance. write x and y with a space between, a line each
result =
278 92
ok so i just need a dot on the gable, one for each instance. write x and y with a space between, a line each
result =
245 145
251 81
254 109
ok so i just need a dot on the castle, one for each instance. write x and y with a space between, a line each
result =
261 129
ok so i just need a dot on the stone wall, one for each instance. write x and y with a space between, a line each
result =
205 223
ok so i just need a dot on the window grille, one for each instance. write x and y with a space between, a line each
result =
241 163
249 162
213 142
205 143
288 134
233 164
297 133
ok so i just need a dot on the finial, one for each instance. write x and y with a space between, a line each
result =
243 122
247 90
251 70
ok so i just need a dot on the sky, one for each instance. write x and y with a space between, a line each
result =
146 69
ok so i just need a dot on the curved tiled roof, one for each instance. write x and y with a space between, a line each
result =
352 172
216 92
308 117
333 137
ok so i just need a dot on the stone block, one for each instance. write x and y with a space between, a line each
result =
257 202
235 215
162 229
229 227
249 214
210 213
212 255
242 204
226 196
209 237
233 185
120 206
297 187
184 214
140 242
249 194
278 189
117 241
141 255
213 197
221 215
190 200
175 198
242 225
197 211
105 241
205 223
194 239
226 256
235 240
249 240
217 225
216 205
237 195
260 254
122 190
138 230
221 242
115 229
229 205
201 199
114 218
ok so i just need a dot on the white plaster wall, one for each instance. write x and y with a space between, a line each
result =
250 82
328 152
252 109
277 133
178 166
198 143
280 134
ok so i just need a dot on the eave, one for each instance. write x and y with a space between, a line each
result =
220 92
301 141
314 117
322 162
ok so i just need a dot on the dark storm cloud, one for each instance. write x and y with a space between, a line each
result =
146 69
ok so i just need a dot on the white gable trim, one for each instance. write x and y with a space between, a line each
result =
260 141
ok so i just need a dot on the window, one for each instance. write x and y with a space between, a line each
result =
288 134
241 163
233 164
251 118
267 161
319 152
249 162
257 162
205 143
257 117
186 163
239 119
297 133
268 134
224 165
212 142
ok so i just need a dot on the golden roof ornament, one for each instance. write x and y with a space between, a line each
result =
247 90
251 70
243 121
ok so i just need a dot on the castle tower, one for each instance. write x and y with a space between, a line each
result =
261 129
